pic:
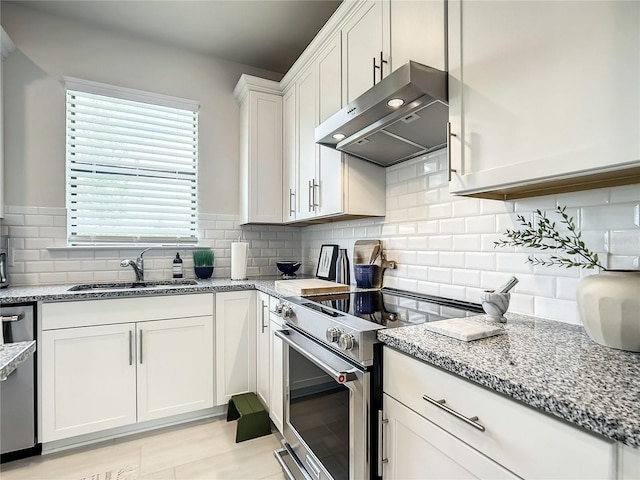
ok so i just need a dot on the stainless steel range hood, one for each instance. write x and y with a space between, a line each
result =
371 129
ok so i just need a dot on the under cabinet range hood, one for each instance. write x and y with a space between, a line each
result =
403 116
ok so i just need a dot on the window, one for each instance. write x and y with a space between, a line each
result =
131 166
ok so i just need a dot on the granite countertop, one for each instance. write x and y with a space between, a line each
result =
52 293
12 355
549 365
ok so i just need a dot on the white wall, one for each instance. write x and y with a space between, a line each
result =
444 245
49 48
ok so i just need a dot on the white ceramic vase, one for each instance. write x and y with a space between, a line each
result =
609 305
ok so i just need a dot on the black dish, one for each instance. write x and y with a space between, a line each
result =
288 268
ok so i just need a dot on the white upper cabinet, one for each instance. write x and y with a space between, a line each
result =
544 96
7 47
418 33
365 45
383 35
260 150
328 183
306 88
289 151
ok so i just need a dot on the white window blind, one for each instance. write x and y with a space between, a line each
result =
131 166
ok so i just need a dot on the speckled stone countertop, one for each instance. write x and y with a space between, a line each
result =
549 365
53 293
13 354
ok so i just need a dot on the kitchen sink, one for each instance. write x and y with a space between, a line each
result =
130 285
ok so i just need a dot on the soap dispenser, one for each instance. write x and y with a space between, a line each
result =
177 266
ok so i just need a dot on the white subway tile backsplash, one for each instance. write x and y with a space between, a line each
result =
480 260
428 227
444 245
470 278
430 258
452 225
626 193
562 310
608 217
480 224
439 274
466 243
624 242
440 242
440 210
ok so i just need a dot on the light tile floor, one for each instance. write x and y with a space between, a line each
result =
199 451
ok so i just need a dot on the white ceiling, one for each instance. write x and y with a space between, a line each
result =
268 34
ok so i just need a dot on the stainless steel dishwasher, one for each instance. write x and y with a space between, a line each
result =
18 436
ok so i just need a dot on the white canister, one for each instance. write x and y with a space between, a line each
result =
239 260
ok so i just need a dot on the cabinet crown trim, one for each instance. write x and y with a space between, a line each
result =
249 83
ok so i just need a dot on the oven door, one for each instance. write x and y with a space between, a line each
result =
326 422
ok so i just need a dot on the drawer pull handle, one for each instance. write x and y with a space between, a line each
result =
473 421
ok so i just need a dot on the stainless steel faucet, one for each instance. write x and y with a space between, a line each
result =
138 265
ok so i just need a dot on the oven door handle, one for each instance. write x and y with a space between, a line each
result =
339 377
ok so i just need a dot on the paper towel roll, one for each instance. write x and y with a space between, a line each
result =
239 260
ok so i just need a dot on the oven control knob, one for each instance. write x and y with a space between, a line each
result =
347 342
333 334
287 311
279 307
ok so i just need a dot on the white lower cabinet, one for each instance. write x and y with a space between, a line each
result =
97 375
235 344
262 349
88 380
516 440
175 367
276 366
415 448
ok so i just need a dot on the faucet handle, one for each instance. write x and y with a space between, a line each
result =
143 252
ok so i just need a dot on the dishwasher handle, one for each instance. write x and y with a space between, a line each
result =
12 318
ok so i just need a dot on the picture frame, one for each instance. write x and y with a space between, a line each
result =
326 269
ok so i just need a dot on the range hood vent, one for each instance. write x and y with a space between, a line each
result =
371 129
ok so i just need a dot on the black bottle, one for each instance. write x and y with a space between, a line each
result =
177 266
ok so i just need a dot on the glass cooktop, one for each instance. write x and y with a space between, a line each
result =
392 308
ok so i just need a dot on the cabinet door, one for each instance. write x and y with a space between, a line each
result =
364 38
235 344
542 92
425 44
417 449
276 407
307 148
262 348
88 380
175 366
329 162
290 160
265 158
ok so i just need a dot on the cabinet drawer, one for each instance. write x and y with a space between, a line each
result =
524 440
122 310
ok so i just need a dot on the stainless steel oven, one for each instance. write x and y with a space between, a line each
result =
327 410
333 376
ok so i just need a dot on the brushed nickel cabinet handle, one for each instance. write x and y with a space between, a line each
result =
311 195
263 326
291 209
315 202
140 346
130 347
449 135
473 421
381 423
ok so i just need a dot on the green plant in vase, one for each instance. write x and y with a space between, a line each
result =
608 302
203 263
